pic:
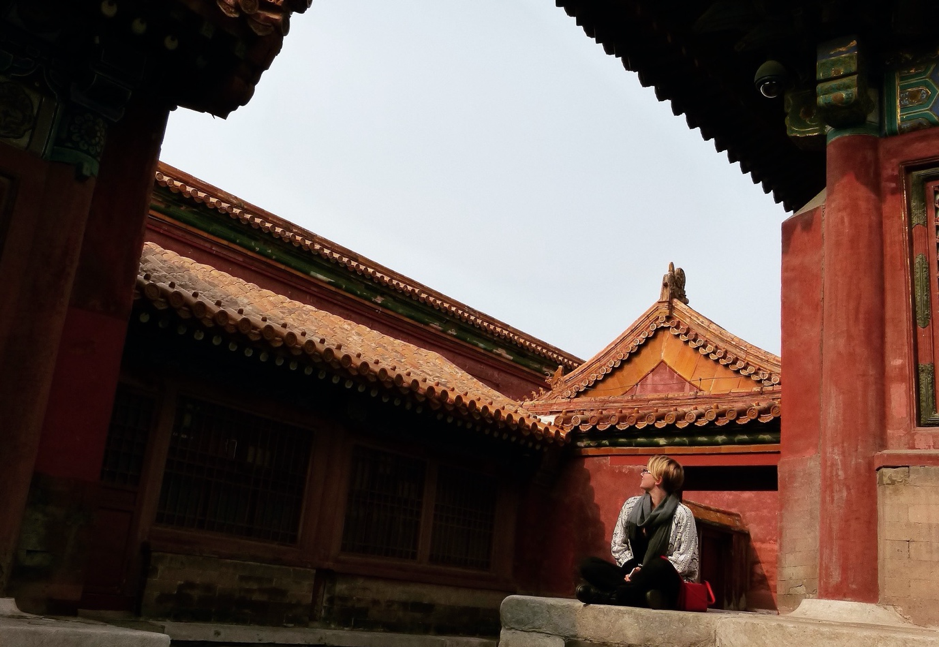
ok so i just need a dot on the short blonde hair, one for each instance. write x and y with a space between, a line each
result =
667 469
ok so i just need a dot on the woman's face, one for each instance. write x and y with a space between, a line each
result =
646 481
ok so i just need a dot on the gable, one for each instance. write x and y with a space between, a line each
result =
666 364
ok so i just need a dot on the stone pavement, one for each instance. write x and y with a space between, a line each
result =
554 622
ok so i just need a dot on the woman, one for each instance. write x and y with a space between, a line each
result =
650 527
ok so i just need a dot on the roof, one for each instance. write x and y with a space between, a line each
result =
671 369
705 70
317 247
328 344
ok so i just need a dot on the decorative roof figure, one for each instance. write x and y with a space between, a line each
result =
673 285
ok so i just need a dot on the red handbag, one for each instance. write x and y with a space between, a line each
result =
693 596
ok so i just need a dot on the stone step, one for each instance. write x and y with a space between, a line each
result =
555 622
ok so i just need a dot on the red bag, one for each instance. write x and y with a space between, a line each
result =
695 597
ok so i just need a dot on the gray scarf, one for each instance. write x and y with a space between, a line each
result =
657 524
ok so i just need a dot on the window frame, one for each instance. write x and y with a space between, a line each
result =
499 573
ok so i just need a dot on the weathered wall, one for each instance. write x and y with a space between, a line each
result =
798 471
208 589
908 540
759 511
797 577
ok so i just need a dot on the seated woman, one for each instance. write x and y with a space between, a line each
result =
655 545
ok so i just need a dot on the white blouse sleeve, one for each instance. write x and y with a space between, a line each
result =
619 546
683 544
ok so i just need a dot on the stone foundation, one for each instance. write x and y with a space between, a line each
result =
908 550
797 574
193 588
353 602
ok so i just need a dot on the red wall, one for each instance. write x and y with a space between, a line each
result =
578 517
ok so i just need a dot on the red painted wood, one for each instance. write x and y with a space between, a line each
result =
898 156
37 267
852 370
86 372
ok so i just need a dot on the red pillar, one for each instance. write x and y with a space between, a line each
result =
799 481
56 340
64 497
852 343
86 373
37 266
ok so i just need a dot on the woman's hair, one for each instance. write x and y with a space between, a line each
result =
667 469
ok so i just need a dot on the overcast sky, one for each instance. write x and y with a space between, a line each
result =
494 152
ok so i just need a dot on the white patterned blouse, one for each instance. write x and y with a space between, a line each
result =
682 542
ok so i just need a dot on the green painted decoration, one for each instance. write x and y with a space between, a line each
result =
927 395
701 440
921 290
910 98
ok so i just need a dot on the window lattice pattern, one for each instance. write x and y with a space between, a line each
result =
233 472
126 445
383 513
464 519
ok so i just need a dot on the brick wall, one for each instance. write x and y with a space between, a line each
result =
208 589
797 575
908 541
353 602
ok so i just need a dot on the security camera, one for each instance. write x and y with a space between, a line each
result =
771 79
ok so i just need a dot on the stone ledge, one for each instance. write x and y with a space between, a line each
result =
24 630
553 622
229 634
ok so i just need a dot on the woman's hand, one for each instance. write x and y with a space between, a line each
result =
628 576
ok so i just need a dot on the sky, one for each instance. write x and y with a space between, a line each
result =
492 151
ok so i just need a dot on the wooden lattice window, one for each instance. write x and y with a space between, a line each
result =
126 445
407 508
233 472
383 511
464 519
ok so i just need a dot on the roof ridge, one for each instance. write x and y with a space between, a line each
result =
201 192
356 364
691 327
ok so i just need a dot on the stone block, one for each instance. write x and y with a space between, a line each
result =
925 477
925 513
893 476
925 588
900 531
927 532
510 638
604 624
895 588
893 549
926 551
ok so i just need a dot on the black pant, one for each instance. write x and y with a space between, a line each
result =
659 574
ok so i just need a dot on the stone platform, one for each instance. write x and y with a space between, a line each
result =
19 629
554 622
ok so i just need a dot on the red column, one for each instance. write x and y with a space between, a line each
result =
37 265
799 480
852 343
86 373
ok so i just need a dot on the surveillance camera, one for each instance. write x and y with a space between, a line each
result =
771 79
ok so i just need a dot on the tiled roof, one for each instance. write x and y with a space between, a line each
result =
692 328
678 411
217 300
580 402
202 193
